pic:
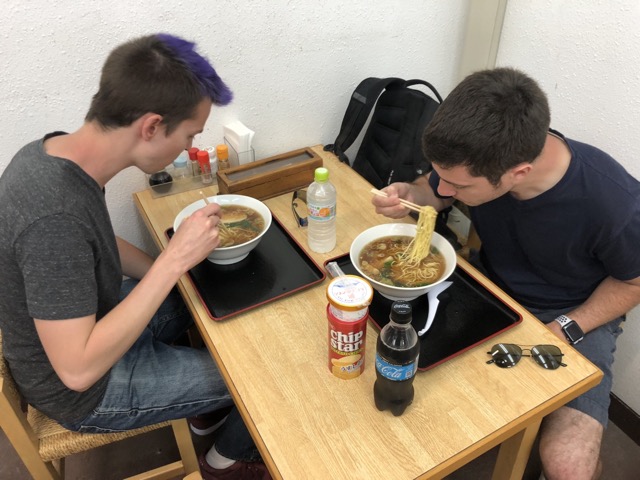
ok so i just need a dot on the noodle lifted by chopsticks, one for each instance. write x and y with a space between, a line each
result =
420 245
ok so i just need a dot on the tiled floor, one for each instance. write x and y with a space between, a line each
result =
621 459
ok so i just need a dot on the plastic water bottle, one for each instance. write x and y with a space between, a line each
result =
397 355
321 205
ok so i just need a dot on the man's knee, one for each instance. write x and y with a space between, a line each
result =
570 445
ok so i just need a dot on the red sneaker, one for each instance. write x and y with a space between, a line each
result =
237 471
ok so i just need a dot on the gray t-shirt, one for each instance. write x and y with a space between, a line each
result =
58 260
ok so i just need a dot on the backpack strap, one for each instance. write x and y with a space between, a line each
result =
415 81
362 101
408 146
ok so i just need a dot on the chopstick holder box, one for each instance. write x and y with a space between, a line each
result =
271 176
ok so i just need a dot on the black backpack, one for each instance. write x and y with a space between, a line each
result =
391 149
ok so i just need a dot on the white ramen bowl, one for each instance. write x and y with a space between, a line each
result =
229 255
407 229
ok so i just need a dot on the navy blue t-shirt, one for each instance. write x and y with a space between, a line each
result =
553 250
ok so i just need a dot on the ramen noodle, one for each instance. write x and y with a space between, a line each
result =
385 260
242 224
421 244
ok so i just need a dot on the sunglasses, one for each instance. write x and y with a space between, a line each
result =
507 355
302 196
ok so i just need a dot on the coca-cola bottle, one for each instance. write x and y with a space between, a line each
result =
396 361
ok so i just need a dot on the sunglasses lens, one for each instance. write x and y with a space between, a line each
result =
506 355
547 356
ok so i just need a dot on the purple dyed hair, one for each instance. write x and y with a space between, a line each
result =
211 83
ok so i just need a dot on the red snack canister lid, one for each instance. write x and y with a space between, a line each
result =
349 293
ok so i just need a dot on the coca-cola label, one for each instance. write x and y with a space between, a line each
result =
394 372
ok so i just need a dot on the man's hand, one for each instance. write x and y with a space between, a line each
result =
390 205
196 237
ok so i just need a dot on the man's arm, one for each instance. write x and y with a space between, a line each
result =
135 263
419 191
610 300
81 350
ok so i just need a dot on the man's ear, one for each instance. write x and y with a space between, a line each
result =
150 126
520 171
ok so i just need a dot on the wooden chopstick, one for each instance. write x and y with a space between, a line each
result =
221 225
410 205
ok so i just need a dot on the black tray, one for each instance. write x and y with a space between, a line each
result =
468 314
277 267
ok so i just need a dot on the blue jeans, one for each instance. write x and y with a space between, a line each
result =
156 381
598 346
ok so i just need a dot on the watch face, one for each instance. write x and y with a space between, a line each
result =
573 331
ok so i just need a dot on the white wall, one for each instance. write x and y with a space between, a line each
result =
291 65
585 56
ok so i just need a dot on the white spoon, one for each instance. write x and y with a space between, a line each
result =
432 296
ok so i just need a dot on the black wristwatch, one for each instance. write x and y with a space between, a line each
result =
571 329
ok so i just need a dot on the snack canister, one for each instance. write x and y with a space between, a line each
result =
347 311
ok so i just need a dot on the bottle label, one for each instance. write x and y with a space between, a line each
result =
347 341
397 373
322 214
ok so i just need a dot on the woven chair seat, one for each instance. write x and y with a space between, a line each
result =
58 442
43 444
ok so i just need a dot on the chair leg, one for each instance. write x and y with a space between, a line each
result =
25 445
182 434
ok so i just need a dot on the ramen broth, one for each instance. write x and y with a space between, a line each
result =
243 224
383 261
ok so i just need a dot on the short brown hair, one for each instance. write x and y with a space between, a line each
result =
492 121
157 73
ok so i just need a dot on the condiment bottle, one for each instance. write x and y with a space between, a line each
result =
205 166
193 158
160 181
222 152
213 160
181 167
347 312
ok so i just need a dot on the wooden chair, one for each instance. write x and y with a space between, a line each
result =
42 444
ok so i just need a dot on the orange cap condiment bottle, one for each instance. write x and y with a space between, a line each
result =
222 152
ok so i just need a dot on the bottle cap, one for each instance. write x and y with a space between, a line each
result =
193 153
203 157
401 312
181 161
222 151
212 151
321 174
349 292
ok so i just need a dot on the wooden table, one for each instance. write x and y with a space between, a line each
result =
309 424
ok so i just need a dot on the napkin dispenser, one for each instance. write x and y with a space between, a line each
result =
271 176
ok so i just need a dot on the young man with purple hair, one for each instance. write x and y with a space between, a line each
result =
88 349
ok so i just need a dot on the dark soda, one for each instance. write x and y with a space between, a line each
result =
397 354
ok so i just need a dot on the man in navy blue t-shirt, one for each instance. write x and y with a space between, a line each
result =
559 223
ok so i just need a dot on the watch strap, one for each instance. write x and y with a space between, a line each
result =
563 320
